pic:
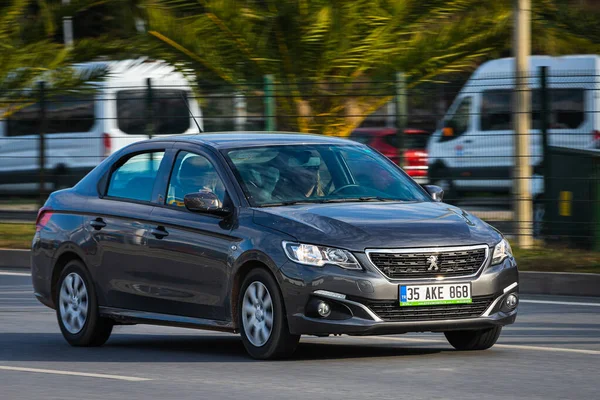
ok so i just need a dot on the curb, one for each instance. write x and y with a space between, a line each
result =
560 283
12 258
548 283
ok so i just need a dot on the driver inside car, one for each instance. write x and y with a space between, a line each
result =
301 178
196 174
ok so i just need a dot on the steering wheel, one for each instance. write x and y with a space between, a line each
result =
336 191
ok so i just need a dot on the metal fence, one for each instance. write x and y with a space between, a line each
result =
455 135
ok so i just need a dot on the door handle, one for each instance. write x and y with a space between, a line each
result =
97 223
159 232
468 141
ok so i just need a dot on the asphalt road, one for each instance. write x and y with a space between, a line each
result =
552 352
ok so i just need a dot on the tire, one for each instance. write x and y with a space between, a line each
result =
275 341
76 297
481 339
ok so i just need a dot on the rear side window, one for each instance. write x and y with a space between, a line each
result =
134 180
65 114
170 114
567 109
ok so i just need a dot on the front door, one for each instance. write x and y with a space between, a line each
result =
189 250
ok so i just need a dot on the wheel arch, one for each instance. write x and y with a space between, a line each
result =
244 264
68 253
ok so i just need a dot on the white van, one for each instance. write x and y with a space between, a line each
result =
477 152
82 129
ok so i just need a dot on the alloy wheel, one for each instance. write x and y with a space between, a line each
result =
73 303
257 313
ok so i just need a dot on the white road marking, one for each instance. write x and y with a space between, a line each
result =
10 273
540 348
16 292
549 328
505 346
72 373
564 303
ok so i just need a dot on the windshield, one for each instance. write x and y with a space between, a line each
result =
281 175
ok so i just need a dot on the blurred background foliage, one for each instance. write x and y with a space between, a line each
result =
317 50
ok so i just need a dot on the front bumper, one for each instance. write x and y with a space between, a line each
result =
301 285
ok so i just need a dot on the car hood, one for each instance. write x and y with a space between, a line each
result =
359 226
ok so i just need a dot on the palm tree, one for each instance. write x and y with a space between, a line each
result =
333 60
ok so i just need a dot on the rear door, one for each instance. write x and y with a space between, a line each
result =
189 251
119 225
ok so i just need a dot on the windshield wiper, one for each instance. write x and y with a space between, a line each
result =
322 201
355 199
290 203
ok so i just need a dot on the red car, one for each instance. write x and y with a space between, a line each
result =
385 141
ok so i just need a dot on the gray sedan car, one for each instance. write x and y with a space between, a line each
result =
270 235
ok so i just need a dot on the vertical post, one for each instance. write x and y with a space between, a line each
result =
401 114
390 114
545 120
67 28
42 143
149 109
239 105
269 103
522 124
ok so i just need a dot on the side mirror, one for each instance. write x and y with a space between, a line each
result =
448 129
436 192
205 202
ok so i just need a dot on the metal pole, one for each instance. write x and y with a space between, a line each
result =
269 104
42 143
401 114
149 109
239 105
67 27
522 124
545 119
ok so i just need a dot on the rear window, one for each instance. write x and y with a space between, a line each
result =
360 137
416 141
567 109
170 114
64 114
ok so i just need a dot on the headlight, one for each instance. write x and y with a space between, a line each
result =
501 251
318 256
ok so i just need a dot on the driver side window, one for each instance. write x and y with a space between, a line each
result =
193 173
459 122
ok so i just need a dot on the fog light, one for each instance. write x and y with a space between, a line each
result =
323 309
511 301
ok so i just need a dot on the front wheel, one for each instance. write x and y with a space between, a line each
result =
262 320
481 339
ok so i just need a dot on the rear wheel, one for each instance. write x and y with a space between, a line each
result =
481 339
77 308
262 319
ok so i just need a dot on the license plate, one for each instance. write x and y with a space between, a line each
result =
427 295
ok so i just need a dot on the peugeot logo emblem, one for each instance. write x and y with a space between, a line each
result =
433 263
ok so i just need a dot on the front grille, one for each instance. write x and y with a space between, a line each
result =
392 312
406 265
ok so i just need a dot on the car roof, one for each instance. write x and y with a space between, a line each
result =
233 140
